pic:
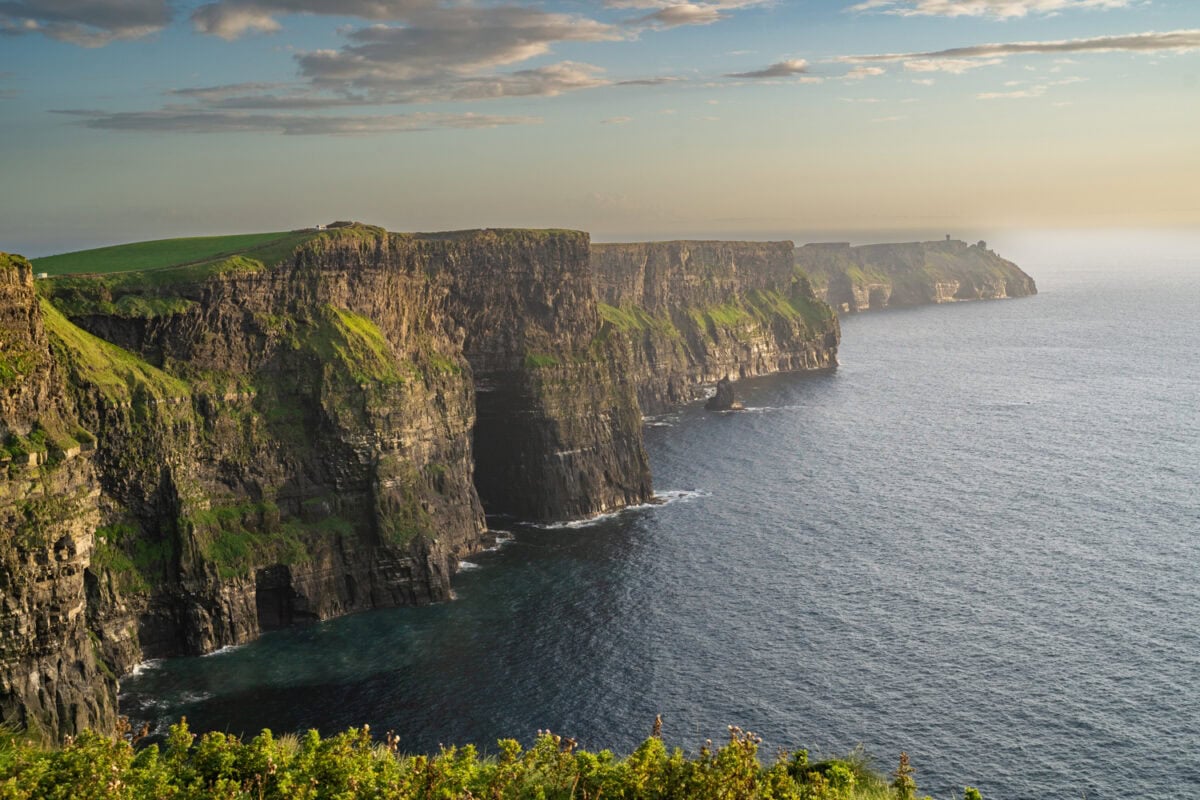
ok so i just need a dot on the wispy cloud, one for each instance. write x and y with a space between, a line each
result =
781 69
860 73
88 23
616 121
672 14
230 19
998 9
1151 42
954 66
1035 90
199 121
656 81
1015 94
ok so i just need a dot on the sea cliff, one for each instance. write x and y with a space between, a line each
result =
690 313
317 425
878 276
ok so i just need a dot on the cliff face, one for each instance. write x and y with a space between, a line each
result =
873 277
52 680
302 450
689 313
194 455
559 431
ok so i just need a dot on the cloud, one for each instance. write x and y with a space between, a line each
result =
550 80
672 14
88 23
172 120
444 45
781 69
438 55
1037 90
998 9
860 73
1016 94
616 121
1180 40
658 81
230 19
547 81
954 66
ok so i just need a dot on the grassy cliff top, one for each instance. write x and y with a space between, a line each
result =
13 260
533 234
195 257
938 260
159 254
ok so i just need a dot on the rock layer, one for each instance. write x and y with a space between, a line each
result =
52 680
689 313
878 276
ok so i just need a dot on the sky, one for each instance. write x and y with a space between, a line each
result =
123 120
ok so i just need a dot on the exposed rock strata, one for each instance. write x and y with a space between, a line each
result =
52 680
878 276
197 455
690 313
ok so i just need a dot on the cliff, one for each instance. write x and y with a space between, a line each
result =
873 277
219 443
687 314
52 677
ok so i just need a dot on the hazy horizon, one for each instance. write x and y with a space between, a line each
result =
631 119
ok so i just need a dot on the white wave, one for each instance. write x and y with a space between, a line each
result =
502 538
226 650
763 409
195 697
660 499
145 666
466 566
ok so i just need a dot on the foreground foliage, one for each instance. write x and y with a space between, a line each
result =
353 764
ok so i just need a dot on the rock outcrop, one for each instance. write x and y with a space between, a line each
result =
195 455
690 313
723 398
878 276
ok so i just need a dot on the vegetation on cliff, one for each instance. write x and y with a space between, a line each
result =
887 275
354 764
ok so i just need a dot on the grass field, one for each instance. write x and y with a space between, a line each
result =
160 254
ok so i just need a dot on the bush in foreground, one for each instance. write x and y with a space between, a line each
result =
354 765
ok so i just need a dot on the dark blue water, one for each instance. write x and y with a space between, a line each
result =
978 541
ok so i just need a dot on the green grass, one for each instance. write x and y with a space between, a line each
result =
635 318
540 361
158 254
118 374
354 764
239 537
356 344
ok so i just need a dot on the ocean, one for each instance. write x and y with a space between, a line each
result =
977 541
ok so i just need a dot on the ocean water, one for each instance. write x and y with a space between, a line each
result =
978 541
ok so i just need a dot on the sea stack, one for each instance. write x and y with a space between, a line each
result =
723 400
